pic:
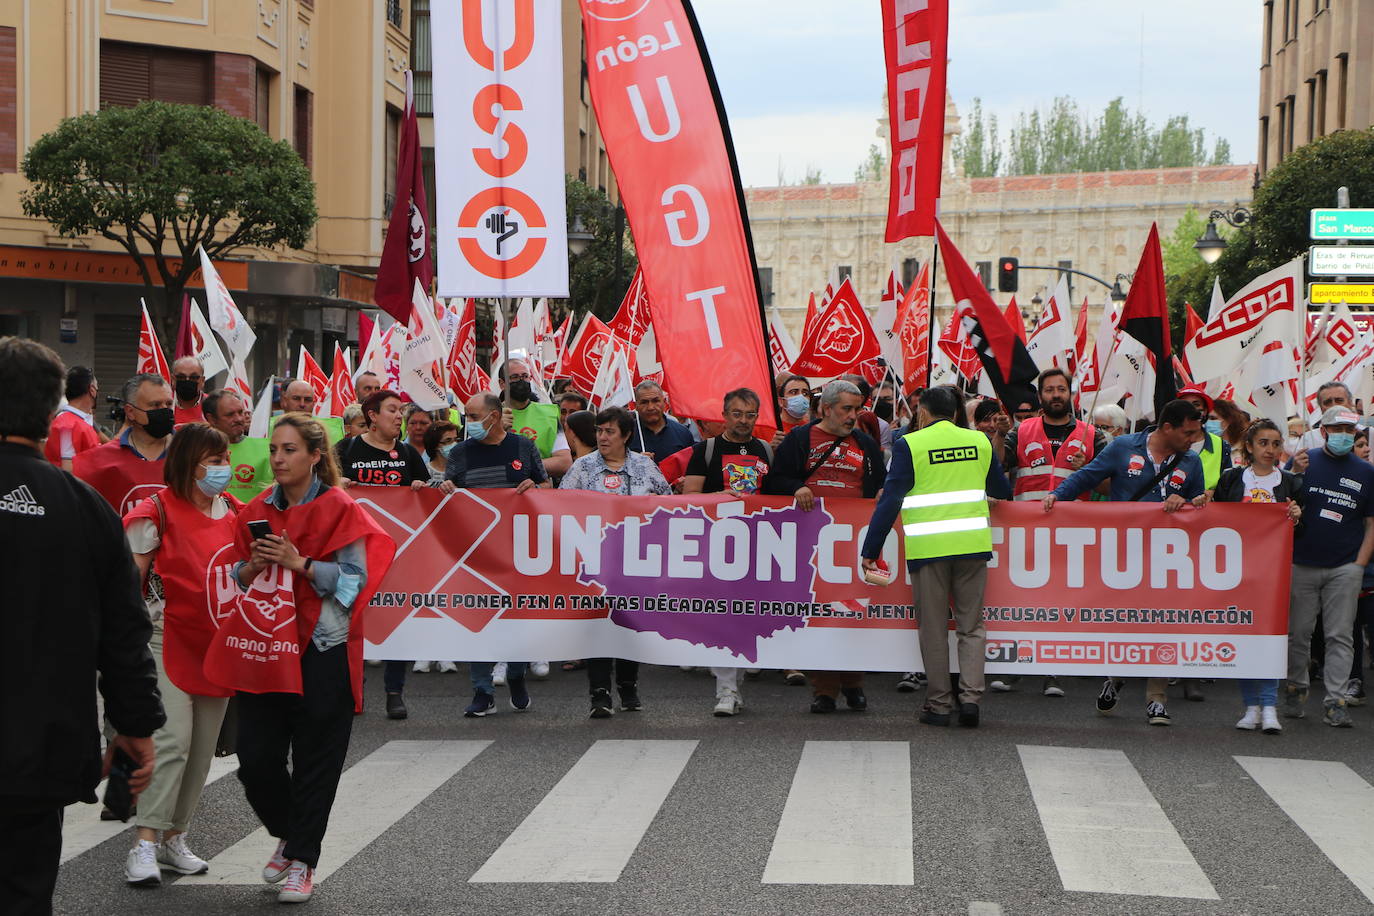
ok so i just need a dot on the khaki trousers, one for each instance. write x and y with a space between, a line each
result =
939 588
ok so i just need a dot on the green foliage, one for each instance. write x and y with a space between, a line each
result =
594 283
1064 139
874 166
181 174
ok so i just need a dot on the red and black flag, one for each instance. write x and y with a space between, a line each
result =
1009 367
1146 317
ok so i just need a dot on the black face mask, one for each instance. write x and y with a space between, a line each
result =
160 422
187 389
520 390
883 409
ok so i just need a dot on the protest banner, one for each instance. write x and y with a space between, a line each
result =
1090 589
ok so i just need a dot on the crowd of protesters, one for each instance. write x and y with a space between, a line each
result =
144 627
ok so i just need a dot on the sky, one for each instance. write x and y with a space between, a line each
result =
803 80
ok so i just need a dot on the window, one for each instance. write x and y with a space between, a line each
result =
1264 145
1068 279
394 15
766 286
1311 110
984 270
300 137
393 141
262 106
1288 123
1268 30
909 267
1287 14
131 73
1342 77
845 271
422 57
9 83
1321 103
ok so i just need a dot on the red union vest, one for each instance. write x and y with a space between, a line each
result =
1038 468
124 477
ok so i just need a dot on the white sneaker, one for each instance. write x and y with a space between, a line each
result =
447 667
374 663
140 865
277 866
421 667
1269 721
539 670
175 855
999 686
1251 720
728 703
498 674
299 884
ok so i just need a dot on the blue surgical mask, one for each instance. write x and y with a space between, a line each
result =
798 404
1213 427
1340 443
475 429
217 477
445 449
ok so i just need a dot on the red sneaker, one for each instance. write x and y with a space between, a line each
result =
300 884
277 866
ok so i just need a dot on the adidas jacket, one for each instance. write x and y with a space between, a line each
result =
71 608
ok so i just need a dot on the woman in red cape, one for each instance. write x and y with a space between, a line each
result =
294 650
185 533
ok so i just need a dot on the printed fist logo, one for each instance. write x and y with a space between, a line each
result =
614 10
221 591
269 603
839 337
136 495
490 218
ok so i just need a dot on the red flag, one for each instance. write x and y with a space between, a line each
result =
1182 371
954 343
151 359
841 340
1145 316
1015 321
341 392
465 378
1080 336
915 37
307 370
633 317
1192 323
405 254
366 327
812 313
662 122
582 358
186 344
913 330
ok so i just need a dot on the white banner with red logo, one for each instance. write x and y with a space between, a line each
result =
1089 589
665 135
498 144
915 36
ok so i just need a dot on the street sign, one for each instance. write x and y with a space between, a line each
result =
1350 293
1335 223
1341 261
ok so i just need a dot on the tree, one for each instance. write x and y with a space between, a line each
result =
598 279
159 174
874 166
978 147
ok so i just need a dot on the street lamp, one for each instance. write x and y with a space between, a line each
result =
578 237
1210 244
1117 295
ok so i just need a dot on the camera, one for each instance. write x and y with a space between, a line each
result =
117 411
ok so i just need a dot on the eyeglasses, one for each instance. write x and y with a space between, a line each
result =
742 414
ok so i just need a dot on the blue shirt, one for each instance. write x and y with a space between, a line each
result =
638 476
901 477
1126 462
673 437
1338 497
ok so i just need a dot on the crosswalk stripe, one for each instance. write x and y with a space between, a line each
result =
1105 829
374 793
1332 805
82 828
591 822
847 819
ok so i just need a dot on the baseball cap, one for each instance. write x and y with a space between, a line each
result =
1340 416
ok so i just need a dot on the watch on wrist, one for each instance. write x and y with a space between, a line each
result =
308 562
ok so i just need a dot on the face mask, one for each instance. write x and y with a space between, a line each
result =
475 429
216 479
1213 427
798 404
160 422
520 390
187 389
1340 443
883 409
445 449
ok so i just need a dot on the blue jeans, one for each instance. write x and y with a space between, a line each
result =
1260 691
480 672
394 676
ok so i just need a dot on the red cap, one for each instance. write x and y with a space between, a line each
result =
1197 393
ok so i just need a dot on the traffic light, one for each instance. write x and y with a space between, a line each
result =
1008 278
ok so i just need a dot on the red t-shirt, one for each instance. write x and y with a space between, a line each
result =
842 474
69 433
184 415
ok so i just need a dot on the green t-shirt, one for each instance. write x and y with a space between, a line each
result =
252 469
539 424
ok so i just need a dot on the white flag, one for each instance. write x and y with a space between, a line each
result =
782 349
424 355
262 413
614 384
212 361
1218 300
238 382
1269 312
1051 341
225 316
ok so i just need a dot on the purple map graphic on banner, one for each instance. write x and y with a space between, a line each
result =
703 577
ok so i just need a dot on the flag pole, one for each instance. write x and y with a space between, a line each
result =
930 309
504 305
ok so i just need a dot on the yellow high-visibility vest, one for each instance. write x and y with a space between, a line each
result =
945 514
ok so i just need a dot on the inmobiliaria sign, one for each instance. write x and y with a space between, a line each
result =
498 138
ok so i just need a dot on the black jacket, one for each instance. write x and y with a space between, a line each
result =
1230 486
71 607
788 474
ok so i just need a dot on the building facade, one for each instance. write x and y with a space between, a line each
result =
326 76
1316 73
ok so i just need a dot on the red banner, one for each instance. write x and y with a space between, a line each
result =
659 111
703 580
915 36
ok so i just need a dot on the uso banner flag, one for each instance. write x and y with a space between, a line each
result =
915 36
667 139
720 580
498 146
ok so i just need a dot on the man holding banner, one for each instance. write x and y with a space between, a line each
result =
940 481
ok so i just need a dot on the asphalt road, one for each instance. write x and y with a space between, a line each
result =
670 810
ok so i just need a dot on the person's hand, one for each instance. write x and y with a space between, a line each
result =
1002 423
508 418
1174 503
1202 499
1048 502
141 750
1077 460
1294 512
777 439
346 483
278 549
650 456
1300 462
868 565
524 486
806 500
447 486
419 484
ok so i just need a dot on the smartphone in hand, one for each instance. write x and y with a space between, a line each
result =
118 798
259 529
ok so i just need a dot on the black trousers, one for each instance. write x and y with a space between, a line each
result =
599 672
30 847
313 729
